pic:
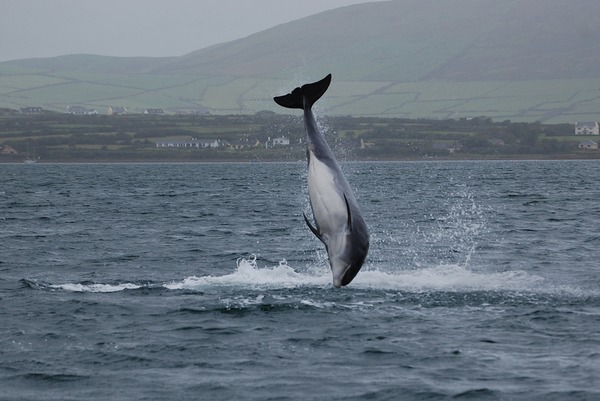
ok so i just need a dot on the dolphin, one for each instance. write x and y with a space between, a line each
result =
338 221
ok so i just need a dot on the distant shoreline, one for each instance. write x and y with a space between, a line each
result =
58 138
574 157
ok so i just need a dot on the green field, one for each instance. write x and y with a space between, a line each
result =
550 101
435 59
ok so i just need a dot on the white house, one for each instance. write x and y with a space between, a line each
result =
243 143
81 111
281 141
117 111
588 144
587 128
154 112
192 143
31 110
7 150
496 142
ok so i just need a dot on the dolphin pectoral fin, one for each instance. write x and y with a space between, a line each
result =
349 223
313 229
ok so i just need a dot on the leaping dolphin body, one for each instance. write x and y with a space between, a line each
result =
339 223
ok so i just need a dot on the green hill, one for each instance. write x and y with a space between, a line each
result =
512 59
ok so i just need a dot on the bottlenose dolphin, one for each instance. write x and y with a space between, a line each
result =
339 223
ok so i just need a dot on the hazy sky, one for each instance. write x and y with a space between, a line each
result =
45 28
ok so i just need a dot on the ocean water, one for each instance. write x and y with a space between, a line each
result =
202 282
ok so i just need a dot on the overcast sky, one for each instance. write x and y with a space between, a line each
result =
46 28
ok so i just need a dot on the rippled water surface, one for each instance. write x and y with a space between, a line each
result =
201 281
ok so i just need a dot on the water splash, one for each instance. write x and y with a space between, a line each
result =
447 278
248 274
461 228
448 234
450 278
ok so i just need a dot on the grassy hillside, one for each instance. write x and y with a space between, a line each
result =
519 60
416 40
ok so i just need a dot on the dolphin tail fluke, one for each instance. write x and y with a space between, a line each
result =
305 96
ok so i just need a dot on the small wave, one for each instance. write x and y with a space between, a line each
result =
83 287
78 287
52 377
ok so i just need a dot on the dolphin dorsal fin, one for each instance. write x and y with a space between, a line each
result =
314 230
349 223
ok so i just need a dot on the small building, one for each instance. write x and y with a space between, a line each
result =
193 112
193 143
588 144
208 143
365 145
7 150
31 110
81 111
449 146
243 143
117 111
496 142
154 112
281 141
587 128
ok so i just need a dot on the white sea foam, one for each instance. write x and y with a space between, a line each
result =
446 278
248 274
437 278
76 287
449 278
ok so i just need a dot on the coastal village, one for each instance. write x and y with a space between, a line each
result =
192 143
229 137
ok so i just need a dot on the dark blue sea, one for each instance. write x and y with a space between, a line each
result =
202 282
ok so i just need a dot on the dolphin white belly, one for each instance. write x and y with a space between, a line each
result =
326 198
